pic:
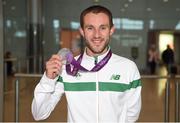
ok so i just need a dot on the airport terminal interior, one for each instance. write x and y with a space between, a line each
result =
32 30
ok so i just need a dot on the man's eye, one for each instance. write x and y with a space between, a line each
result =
103 28
89 28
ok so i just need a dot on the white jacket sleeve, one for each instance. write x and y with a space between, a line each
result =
134 105
46 95
134 98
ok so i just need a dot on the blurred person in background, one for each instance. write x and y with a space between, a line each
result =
168 58
153 58
9 63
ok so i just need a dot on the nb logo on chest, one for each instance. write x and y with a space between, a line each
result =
115 77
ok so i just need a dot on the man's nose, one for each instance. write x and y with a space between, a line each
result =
97 33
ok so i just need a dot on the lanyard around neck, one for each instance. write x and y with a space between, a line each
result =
77 65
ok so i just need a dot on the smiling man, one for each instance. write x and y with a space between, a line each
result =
99 86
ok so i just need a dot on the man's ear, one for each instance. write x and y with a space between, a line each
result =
112 30
81 31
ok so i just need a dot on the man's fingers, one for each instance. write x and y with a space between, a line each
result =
53 66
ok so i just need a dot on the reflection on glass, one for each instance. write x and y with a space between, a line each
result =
128 24
178 26
56 25
151 24
161 86
20 34
117 23
8 23
161 82
74 25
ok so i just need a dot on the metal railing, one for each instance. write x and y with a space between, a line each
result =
22 64
166 102
19 75
167 94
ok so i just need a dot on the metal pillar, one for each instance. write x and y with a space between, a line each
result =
35 35
167 97
177 101
17 100
1 64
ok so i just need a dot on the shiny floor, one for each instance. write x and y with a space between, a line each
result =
153 97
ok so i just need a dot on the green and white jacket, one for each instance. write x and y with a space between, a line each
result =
111 95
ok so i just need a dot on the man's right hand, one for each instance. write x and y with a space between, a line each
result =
54 66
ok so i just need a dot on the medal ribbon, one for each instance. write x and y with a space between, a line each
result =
77 65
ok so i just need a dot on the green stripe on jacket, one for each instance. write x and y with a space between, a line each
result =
103 86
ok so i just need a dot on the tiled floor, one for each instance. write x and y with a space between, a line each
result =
153 96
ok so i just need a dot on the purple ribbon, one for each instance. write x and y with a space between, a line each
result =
77 64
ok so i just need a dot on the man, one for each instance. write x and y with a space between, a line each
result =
110 89
168 58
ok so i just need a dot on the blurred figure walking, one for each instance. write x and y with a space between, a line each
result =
153 57
168 58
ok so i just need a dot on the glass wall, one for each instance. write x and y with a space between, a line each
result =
132 26
15 30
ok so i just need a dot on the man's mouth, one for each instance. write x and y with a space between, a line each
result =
97 41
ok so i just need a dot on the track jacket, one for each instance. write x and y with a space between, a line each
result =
111 95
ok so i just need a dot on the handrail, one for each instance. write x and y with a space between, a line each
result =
27 75
10 59
142 76
159 76
167 94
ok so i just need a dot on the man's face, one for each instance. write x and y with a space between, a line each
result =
96 32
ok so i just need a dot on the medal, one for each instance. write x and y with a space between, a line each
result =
69 61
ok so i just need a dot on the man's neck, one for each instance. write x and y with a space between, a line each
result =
91 53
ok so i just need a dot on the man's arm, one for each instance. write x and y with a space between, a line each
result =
46 95
48 91
134 96
134 104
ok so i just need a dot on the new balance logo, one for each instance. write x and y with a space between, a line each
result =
115 77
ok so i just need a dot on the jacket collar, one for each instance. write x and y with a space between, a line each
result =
99 57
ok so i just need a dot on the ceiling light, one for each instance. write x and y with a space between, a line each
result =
122 10
96 1
149 9
177 9
13 7
165 0
126 5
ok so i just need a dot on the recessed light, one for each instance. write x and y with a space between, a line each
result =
13 7
122 10
130 0
126 5
178 9
165 0
149 9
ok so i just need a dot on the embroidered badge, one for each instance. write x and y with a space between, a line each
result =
78 75
60 79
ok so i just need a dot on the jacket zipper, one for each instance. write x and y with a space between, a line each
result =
97 91
97 98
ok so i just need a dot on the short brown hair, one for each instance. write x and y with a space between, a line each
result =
96 9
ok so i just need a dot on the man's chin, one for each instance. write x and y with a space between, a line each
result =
98 51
